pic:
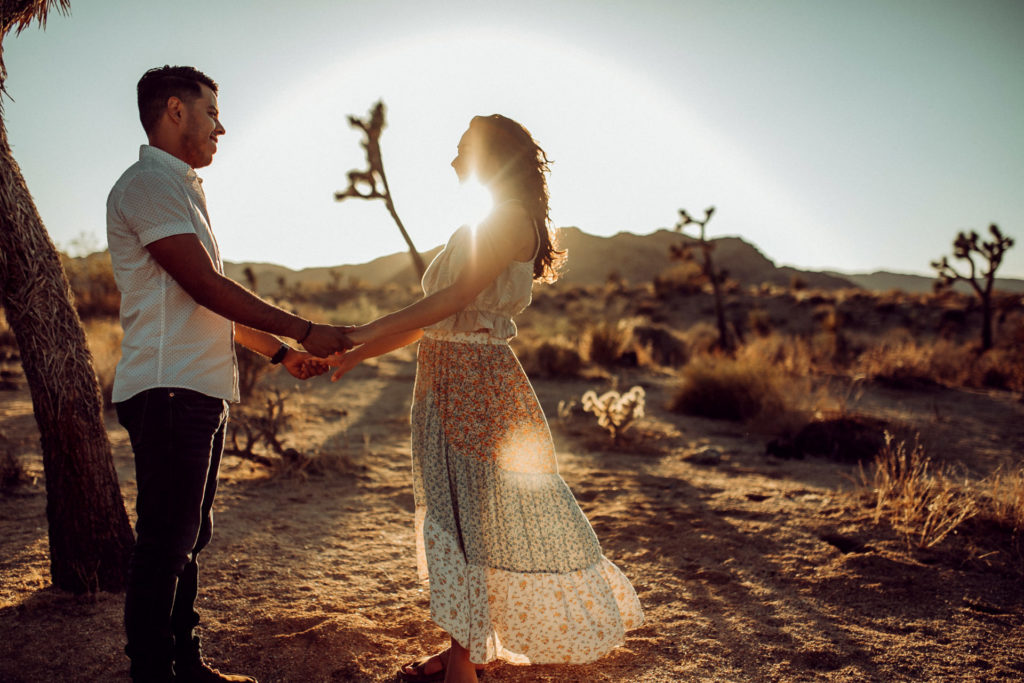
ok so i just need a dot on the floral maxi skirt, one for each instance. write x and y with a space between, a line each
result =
515 569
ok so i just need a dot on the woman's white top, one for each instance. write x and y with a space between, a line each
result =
494 308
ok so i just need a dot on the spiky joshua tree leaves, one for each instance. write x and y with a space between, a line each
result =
373 182
90 536
980 276
714 276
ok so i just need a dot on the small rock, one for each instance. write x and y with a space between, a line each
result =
705 455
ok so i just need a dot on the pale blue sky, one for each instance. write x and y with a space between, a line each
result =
847 135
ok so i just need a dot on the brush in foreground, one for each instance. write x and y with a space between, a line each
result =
922 501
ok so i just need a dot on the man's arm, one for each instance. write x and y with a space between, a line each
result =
186 260
299 364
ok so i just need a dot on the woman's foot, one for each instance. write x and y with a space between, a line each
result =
432 668
458 668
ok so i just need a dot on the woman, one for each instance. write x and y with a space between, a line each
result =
515 569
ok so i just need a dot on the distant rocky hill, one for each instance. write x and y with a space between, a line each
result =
884 281
593 259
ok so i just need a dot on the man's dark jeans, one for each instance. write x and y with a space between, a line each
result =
178 439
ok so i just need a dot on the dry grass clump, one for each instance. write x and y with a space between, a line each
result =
923 501
730 389
1003 492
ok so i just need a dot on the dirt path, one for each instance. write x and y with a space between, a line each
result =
749 568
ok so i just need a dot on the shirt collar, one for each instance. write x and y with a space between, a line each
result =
148 152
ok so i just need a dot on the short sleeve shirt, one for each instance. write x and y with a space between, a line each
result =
169 339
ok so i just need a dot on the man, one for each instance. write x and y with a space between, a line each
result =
177 371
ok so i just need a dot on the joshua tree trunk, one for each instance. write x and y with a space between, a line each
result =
986 322
724 338
90 536
374 179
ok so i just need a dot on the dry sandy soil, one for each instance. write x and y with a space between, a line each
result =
749 568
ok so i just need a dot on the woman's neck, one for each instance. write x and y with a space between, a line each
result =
504 193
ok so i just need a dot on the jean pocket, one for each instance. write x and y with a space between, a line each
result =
195 406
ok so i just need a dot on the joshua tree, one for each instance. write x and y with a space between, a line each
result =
373 178
714 276
90 536
966 246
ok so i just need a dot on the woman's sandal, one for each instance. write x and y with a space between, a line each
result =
420 675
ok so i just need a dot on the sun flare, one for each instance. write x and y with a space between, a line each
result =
473 203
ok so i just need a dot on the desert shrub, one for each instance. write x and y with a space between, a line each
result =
103 337
911 364
786 353
551 358
615 412
999 368
605 342
760 322
92 282
729 389
259 423
355 310
684 278
701 338
660 345
921 500
252 367
12 472
846 438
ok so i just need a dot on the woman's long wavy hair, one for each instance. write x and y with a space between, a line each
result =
525 166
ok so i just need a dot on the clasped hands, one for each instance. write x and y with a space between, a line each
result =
326 346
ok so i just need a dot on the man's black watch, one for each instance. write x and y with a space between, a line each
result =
280 354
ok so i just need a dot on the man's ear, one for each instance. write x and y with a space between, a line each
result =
175 109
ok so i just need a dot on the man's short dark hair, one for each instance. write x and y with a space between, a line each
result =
157 85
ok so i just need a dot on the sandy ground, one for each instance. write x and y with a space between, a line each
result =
735 555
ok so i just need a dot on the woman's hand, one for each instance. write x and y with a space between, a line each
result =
360 334
343 361
303 365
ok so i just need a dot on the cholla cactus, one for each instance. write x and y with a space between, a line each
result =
615 412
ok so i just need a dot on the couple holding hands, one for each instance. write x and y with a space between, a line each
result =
515 569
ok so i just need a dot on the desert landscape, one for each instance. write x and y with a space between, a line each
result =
839 498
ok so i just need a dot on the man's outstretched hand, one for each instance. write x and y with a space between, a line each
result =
323 340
